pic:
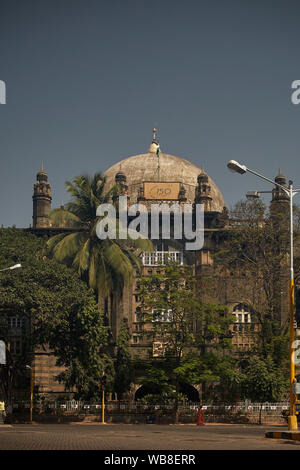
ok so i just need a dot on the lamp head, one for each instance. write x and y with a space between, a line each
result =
16 266
236 167
252 195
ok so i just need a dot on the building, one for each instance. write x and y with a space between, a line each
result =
158 178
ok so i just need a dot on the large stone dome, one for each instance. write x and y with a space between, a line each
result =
144 167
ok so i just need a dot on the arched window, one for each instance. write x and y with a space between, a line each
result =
241 317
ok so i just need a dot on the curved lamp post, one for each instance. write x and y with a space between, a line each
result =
241 169
16 266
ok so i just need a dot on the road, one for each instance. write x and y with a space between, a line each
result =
121 437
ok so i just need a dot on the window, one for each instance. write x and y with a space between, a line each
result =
138 327
242 327
15 322
162 255
136 339
241 314
164 316
15 346
158 349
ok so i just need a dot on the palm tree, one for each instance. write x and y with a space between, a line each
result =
107 265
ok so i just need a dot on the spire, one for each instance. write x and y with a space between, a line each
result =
280 178
154 135
154 147
42 175
42 170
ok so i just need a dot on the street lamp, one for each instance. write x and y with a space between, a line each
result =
241 169
256 194
16 266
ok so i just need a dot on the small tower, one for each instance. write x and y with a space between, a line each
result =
280 200
203 191
41 200
121 183
182 194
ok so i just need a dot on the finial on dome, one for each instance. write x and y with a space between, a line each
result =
154 134
155 143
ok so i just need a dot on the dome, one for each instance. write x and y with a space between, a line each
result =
144 167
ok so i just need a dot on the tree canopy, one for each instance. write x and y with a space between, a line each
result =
107 265
57 310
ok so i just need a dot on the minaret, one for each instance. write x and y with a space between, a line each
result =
280 200
203 191
41 200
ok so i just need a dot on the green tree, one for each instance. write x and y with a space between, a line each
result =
193 334
263 381
107 265
256 251
124 370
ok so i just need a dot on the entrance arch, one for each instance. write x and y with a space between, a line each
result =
188 390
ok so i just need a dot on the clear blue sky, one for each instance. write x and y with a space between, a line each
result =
87 80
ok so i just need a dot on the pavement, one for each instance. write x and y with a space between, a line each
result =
139 437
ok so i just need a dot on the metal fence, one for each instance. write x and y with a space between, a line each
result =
148 413
140 408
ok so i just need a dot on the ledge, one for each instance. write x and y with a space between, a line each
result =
292 435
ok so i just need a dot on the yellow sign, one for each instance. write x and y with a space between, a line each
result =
161 190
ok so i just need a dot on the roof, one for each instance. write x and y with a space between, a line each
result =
144 167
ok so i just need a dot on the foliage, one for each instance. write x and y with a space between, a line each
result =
196 346
256 250
124 370
263 381
107 265
57 309
163 398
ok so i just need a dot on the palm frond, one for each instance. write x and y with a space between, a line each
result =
61 217
82 259
66 249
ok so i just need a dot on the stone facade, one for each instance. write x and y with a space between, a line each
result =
152 178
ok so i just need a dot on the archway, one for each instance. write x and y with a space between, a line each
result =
189 391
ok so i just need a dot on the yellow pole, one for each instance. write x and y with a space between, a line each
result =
31 393
292 420
103 401
292 424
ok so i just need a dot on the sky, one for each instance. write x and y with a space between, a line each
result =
87 80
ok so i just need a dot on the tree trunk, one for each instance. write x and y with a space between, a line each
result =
259 416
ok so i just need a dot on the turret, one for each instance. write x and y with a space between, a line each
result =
279 206
41 200
203 191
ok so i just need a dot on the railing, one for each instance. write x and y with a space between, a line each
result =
138 407
146 413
